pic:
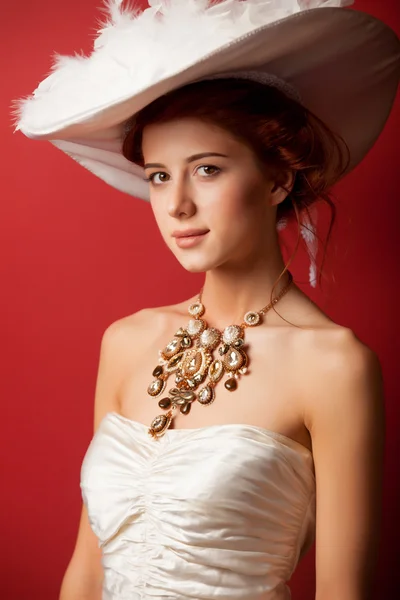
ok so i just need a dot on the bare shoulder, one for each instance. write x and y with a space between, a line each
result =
342 381
334 351
151 322
129 336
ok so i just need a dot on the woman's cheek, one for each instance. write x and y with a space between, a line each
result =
160 220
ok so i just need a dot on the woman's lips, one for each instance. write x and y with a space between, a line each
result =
189 238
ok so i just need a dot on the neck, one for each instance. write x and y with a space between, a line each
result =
230 292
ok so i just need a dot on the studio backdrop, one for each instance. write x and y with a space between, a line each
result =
77 254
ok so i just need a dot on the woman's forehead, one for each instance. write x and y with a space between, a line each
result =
192 135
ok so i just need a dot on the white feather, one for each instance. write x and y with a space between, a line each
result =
135 50
308 231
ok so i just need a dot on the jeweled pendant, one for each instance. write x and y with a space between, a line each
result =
185 409
159 425
192 365
156 387
172 348
231 384
174 362
199 378
252 318
196 310
216 370
232 333
164 403
234 360
210 338
206 395
157 371
195 364
195 327
186 342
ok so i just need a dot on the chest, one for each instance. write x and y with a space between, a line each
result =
268 395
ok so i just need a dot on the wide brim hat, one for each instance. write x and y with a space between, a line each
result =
344 65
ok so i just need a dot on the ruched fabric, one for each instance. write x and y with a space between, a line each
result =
224 511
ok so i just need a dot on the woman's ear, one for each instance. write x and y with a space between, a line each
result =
282 185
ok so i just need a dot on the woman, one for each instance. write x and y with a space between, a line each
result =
182 502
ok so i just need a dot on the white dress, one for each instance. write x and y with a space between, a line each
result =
218 512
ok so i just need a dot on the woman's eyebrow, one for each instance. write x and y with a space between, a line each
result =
188 160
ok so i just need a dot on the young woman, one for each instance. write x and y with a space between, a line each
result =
182 502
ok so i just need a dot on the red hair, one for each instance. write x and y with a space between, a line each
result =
284 135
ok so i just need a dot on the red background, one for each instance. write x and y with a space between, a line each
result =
76 255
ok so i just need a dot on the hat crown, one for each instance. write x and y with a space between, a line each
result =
136 50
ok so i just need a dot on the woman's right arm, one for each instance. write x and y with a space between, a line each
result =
84 575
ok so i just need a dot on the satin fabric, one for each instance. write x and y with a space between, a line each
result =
224 511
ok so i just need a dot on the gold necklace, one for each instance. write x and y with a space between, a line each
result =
189 356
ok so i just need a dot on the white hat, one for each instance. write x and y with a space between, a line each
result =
343 64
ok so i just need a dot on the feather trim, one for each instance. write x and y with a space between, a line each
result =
135 50
308 230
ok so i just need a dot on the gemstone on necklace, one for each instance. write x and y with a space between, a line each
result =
173 362
194 363
196 309
199 377
186 342
156 387
232 333
206 395
234 360
195 327
231 384
216 370
210 338
157 371
172 348
252 318
159 425
164 403
185 409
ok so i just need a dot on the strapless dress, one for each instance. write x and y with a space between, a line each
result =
218 512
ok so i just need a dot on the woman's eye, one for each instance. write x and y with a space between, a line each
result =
214 170
153 176
161 177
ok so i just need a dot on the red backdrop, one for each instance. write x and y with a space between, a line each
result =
76 255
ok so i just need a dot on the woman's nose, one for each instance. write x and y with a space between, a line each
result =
180 201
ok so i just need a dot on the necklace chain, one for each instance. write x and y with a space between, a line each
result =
270 304
189 357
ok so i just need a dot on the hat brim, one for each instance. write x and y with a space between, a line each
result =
344 63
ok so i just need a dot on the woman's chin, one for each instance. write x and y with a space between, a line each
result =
196 264
194 268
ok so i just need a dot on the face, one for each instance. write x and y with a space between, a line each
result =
213 202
